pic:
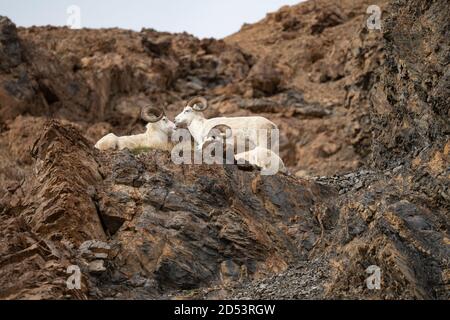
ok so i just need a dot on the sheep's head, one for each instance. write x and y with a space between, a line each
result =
157 120
194 106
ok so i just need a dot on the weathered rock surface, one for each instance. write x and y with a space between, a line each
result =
100 79
179 227
364 123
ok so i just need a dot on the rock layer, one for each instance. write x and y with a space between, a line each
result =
363 116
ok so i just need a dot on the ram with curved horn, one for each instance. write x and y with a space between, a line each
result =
243 128
220 138
157 136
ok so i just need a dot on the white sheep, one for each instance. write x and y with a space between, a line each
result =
159 128
245 128
221 138
263 158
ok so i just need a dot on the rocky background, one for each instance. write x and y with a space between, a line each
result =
364 120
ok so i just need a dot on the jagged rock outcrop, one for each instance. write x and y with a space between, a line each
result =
346 98
401 224
100 79
325 53
10 47
411 102
178 227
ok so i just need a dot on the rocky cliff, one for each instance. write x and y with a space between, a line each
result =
364 120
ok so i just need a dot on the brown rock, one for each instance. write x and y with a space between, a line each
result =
265 77
343 96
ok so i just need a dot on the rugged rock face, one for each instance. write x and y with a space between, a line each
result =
410 104
175 227
313 85
330 59
399 221
364 127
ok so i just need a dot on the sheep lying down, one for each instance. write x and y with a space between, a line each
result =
159 128
111 141
264 158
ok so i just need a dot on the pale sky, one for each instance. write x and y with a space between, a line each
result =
202 18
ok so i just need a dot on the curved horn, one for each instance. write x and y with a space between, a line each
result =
224 130
152 114
198 104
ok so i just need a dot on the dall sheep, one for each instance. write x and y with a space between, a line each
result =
259 156
263 158
242 127
159 128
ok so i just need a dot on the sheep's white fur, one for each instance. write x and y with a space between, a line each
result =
243 128
156 137
262 158
259 156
